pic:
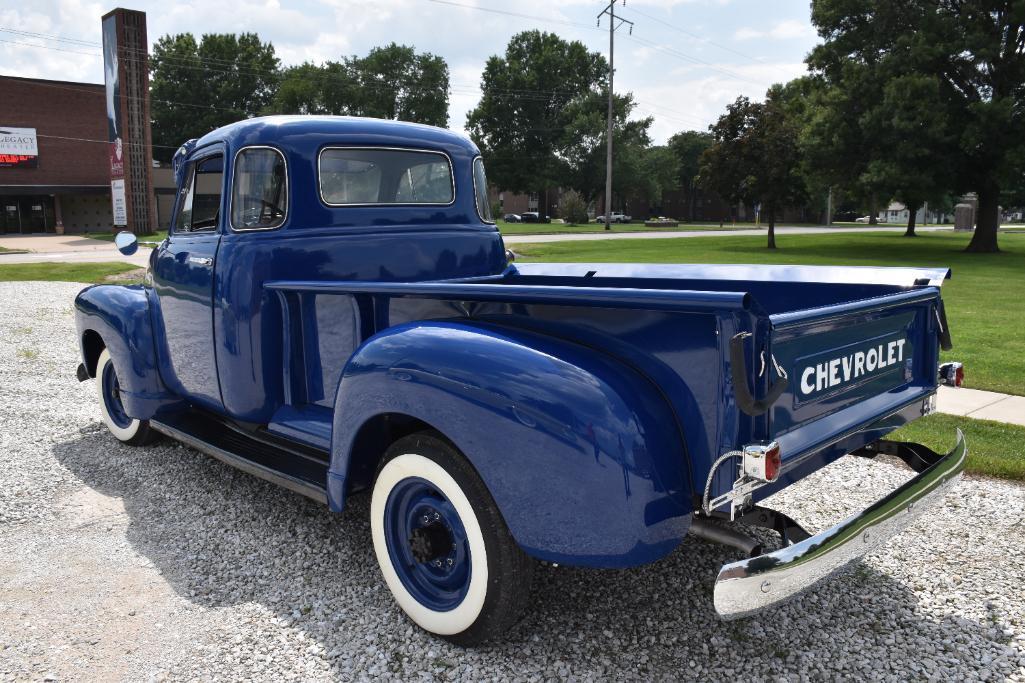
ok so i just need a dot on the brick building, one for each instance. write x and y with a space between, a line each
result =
66 187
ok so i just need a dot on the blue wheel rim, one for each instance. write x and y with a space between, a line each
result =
436 572
112 398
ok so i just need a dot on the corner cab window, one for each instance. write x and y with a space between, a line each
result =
201 206
259 193
480 190
350 176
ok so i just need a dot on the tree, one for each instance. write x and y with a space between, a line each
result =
659 173
840 138
196 87
687 147
754 157
582 146
524 109
916 135
976 50
392 82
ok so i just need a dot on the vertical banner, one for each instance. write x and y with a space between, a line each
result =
112 81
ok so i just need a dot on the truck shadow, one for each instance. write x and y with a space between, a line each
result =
221 538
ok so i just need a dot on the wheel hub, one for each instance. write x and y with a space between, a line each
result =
431 542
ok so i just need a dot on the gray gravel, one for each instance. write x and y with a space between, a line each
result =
163 564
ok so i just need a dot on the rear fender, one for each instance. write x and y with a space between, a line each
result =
580 453
120 315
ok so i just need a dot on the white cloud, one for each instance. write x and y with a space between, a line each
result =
661 66
783 30
694 98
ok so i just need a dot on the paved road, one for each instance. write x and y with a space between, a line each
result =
585 236
77 249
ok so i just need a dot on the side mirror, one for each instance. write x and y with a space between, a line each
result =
126 242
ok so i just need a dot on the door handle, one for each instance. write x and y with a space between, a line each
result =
201 260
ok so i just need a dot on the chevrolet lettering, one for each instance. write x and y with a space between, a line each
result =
334 310
851 367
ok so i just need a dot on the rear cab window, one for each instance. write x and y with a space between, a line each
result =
362 176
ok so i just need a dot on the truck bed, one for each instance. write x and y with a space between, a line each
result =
677 333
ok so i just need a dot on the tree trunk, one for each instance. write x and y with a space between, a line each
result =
772 228
912 214
987 221
873 210
692 201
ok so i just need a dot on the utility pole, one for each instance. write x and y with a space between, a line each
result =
613 25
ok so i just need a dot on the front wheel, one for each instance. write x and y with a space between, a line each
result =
125 429
442 545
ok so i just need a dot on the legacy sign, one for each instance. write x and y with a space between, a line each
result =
18 147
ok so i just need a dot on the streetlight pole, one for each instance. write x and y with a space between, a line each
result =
613 25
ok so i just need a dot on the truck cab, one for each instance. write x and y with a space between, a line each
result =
334 310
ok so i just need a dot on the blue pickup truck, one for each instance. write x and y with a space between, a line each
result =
334 310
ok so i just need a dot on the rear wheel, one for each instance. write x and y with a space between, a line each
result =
125 429
442 545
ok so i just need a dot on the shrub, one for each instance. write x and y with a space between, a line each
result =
573 208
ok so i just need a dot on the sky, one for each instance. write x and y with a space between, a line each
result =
685 61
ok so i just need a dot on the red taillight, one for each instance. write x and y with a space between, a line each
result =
762 461
772 463
952 374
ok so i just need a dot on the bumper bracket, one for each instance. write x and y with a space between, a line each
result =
750 585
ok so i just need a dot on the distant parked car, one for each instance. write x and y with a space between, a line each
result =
863 219
512 218
530 217
616 217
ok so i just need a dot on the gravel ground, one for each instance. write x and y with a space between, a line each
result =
163 564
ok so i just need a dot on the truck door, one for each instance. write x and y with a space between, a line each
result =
183 277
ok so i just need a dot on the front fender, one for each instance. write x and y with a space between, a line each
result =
581 454
120 315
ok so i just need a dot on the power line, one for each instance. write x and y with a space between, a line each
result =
703 39
47 36
458 88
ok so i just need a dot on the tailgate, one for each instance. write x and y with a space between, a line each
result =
853 363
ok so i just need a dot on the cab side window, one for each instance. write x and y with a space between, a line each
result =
201 205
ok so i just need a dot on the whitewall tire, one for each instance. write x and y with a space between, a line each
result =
125 429
442 546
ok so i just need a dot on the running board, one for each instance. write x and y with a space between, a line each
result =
296 468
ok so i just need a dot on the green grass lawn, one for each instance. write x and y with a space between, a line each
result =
63 272
985 298
994 448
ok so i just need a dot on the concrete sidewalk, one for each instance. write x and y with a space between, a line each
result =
981 405
66 249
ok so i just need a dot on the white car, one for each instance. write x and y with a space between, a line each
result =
616 217
863 219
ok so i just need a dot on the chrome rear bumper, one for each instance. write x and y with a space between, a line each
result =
748 586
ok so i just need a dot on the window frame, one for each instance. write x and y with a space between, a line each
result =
195 160
320 175
476 193
231 187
